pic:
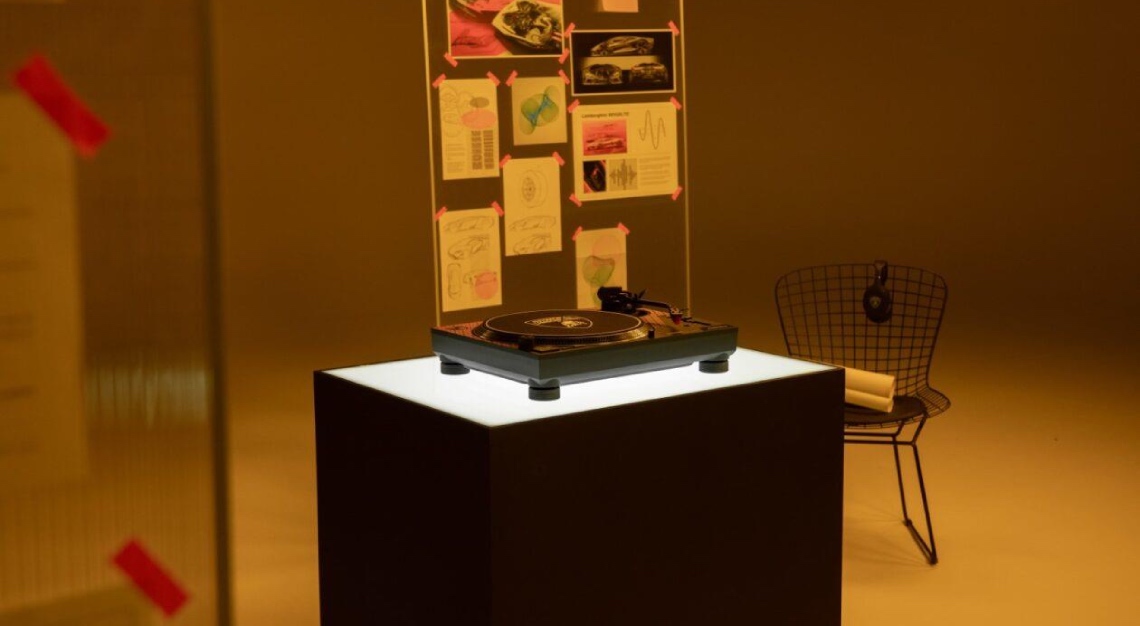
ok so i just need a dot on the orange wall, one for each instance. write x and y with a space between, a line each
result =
995 142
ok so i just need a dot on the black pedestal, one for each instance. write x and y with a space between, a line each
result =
718 507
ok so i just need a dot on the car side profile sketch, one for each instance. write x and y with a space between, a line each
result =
623 45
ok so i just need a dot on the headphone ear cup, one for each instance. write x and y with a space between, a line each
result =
876 298
877 303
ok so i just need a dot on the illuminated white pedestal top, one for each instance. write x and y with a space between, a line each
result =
495 401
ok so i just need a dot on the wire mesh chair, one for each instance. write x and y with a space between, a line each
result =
823 317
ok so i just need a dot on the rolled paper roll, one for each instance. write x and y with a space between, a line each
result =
873 383
878 403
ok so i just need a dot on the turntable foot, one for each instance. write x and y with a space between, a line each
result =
714 367
452 368
544 393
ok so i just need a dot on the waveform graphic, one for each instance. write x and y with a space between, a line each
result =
654 132
622 175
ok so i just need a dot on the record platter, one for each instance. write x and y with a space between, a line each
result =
549 348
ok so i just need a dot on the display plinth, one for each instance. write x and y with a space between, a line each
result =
671 497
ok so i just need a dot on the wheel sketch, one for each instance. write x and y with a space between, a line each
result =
533 188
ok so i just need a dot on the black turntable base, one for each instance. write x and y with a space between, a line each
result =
547 349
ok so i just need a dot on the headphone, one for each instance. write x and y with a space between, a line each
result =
876 298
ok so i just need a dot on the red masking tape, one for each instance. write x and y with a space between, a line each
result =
438 80
675 101
574 237
562 57
450 59
151 578
494 79
39 80
511 79
569 29
573 105
677 192
503 161
673 27
623 228
558 157
440 212
565 78
498 209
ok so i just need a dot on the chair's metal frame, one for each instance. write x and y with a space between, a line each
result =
822 317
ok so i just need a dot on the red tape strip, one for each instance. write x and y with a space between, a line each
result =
558 157
573 105
569 29
675 101
575 200
562 57
438 80
43 84
565 78
151 578
623 228
450 59
511 79
503 161
494 79
574 237
498 209
677 192
673 27
439 213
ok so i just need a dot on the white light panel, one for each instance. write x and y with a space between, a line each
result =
495 401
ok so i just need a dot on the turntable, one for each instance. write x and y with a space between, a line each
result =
550 348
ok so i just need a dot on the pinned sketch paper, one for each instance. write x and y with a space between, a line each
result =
533 220
618 6
600 262
538 106
469 128
625 150
470 260
42 429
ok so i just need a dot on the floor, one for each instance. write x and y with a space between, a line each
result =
1034 484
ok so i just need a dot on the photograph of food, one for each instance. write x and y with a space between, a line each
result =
499 28
622 62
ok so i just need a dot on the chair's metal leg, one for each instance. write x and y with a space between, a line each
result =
892 440
898 471
928 550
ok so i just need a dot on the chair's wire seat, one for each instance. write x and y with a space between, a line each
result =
906 409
